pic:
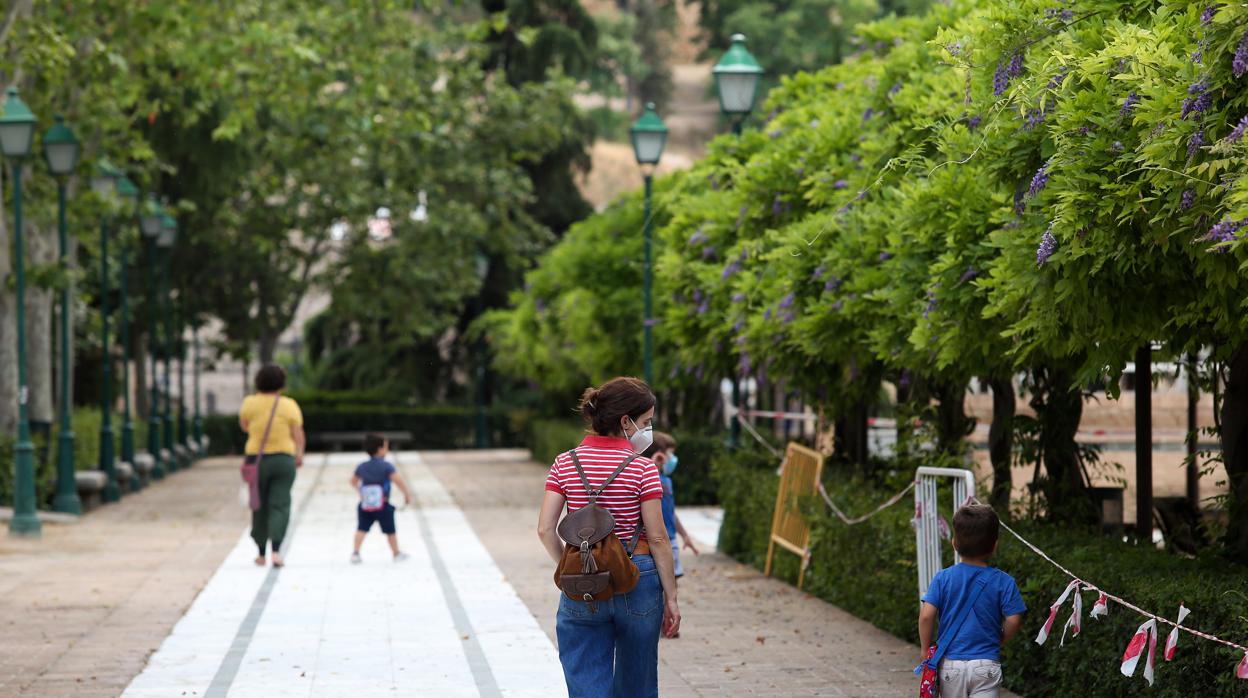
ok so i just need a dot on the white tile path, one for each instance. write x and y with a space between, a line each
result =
444 623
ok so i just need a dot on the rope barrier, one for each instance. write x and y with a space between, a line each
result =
859 519
759 437
1116 599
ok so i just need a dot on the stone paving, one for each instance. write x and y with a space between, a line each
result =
157 596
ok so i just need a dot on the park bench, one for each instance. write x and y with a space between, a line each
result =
90 486
144 463
337 440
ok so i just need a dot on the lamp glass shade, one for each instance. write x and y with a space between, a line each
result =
17 127
103 185
61 148
127 190
168 231
649 135
149 219
736 78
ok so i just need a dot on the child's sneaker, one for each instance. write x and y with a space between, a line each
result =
400 557
355 559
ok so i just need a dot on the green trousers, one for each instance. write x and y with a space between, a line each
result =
269 522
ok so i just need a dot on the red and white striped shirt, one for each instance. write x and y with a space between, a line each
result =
599 457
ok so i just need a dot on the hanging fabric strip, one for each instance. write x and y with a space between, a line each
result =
1145 635
1048 624
1173 640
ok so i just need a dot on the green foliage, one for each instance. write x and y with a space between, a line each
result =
549 437
878 583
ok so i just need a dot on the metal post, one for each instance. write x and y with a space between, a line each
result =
1144 444
648 334
108 463
197 424
24 521
168 344
153 410
183 433
735 434
1193 434
66 499
127 423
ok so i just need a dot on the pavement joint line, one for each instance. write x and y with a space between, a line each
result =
223 680
487 686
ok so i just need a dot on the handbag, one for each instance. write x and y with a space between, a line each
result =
929 669
250 470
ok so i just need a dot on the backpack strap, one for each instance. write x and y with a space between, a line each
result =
948 634
595 493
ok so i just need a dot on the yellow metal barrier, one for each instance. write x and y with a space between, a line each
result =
799 478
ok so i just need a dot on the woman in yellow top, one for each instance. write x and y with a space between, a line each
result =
283 453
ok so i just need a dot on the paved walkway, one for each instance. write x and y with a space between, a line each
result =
113 605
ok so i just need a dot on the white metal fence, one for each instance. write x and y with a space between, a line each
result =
927 516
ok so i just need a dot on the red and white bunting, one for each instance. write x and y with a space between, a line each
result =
1147 633
1101 608
1241 671
1075 622
1048 624
1173 640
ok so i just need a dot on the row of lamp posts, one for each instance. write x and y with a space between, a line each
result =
61 151
736 81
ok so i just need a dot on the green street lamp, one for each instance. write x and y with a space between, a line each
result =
17 132
736 80
130 195
649 135
165 241
197 424
151 222
105 184
61 150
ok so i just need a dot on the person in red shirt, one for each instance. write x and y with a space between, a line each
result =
612 648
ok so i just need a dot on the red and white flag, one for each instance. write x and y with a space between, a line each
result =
1173 638
1101 608
1241 671
1146 634
1075 621
1048 624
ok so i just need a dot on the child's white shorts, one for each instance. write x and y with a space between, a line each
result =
680 571
972 678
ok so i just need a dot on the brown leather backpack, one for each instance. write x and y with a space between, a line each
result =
595 565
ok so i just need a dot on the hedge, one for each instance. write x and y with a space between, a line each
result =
692 479
877 582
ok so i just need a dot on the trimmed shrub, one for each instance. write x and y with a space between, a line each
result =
878 582
550 437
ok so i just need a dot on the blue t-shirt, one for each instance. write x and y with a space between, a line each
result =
669 507
375 471
980 634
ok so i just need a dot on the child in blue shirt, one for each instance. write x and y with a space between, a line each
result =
372 479
663 452
970 666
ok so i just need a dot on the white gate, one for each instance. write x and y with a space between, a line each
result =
927 516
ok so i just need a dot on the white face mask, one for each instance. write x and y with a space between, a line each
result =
641 438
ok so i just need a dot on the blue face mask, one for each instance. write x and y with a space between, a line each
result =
670 464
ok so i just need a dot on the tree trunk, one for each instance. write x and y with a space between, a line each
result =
851 433
268 346
952 424
1144 444
142 386
1001 441
1234 435
39 316
1066 497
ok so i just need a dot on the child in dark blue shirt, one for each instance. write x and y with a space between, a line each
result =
372 479
663 452
970 664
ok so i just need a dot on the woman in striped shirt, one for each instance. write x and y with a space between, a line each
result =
612 650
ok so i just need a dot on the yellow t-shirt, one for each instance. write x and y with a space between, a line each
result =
255 411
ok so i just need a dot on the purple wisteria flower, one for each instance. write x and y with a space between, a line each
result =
1039 181
788 317
773 135
967 275
1200 100
1006 72
1187 200
777 206
1020 203
741 216
698 237
866 115
831 284
1118 147
1238 133
1048 245
838 305
819 272
1056 81
708 253
697 295
1034 118
787 301
903 381
1206 17
730 270
892 91
885 256
1239 64
1128 104
767 314
973 122
1198 56
1195 143
738 297
931 303
840 184
1226 230
703 307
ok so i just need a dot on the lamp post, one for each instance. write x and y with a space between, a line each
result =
736 81
183 432
168 235
130 195
649 135
483 430
17 131
105 184
197 424
61 150
150 224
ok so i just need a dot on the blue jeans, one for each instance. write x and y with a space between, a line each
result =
614 651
